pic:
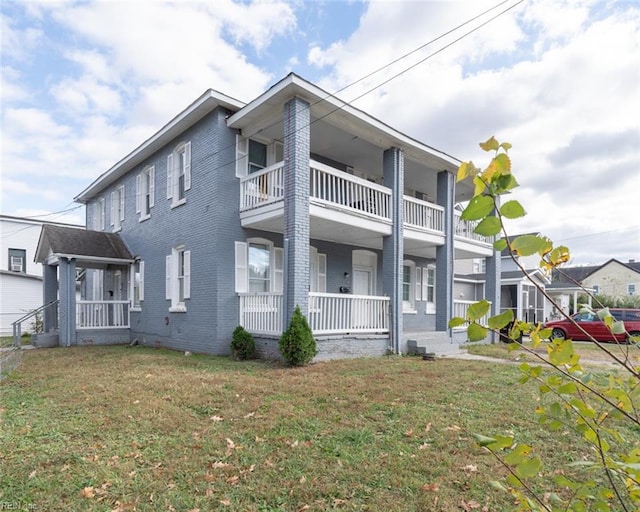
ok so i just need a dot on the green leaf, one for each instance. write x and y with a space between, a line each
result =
488 226
499 321
529 468
505 183
478 310
478 207
526 245
512 210
500 245
484 440
476 332
456 321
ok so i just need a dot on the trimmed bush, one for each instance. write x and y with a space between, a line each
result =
297 345
242 344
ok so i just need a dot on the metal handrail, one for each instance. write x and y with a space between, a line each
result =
17 325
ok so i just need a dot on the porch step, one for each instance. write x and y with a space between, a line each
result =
431 343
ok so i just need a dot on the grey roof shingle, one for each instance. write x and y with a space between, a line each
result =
81 242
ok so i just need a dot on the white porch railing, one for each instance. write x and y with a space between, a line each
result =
351 192
102 314
464 229
261 313
460 308
423 215
337 312
262 188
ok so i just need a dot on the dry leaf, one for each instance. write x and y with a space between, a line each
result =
233 480
216 418
337 502
303 479
470 468
87 492
302 508
32 474
431 487
250 415
427 428
423 446
454 428
293 444
226 503
409 433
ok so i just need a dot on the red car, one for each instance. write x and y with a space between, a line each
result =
595 327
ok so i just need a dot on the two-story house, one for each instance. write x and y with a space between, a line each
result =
234 214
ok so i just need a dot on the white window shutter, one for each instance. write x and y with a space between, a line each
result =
425 283
242 149
121 203
418 290
138 192
170 176
168 268
322 273
187 166
187 274
141 290
242 270
103 213
112 216
152 186
278 269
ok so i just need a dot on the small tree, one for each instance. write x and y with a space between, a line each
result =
603 409
297 345
242 344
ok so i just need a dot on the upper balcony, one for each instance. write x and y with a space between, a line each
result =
351 210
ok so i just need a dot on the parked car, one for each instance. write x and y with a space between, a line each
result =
591 323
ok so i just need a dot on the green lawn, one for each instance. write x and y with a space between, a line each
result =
120 428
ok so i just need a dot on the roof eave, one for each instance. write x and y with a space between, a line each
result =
206 103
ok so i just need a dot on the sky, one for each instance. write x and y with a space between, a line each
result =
84 83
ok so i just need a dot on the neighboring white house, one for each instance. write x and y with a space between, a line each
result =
20 276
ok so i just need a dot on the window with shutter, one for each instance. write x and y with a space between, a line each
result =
178 287
179 174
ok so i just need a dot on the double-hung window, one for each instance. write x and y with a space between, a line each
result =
99 215
179 174
145 192
408 286
631 289
429 288
17 260
117 208
254 155
137 285
178 278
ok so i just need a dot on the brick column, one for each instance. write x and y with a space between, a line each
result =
296 206
392 245
67 302
49 293
493 278
445 253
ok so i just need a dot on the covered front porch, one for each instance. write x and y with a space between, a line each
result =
96 262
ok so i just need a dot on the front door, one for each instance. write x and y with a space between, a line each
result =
361 281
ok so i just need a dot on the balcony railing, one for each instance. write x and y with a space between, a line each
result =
424 215
352 193
329 313
464 229
102 314
263 187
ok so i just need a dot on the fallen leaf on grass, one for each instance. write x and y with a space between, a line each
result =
454 428
32 474
250 415
337 502
226 503
87 492
427 427
216 418
409 433
470 505
430 487
470 468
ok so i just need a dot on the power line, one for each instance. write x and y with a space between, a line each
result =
599 234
